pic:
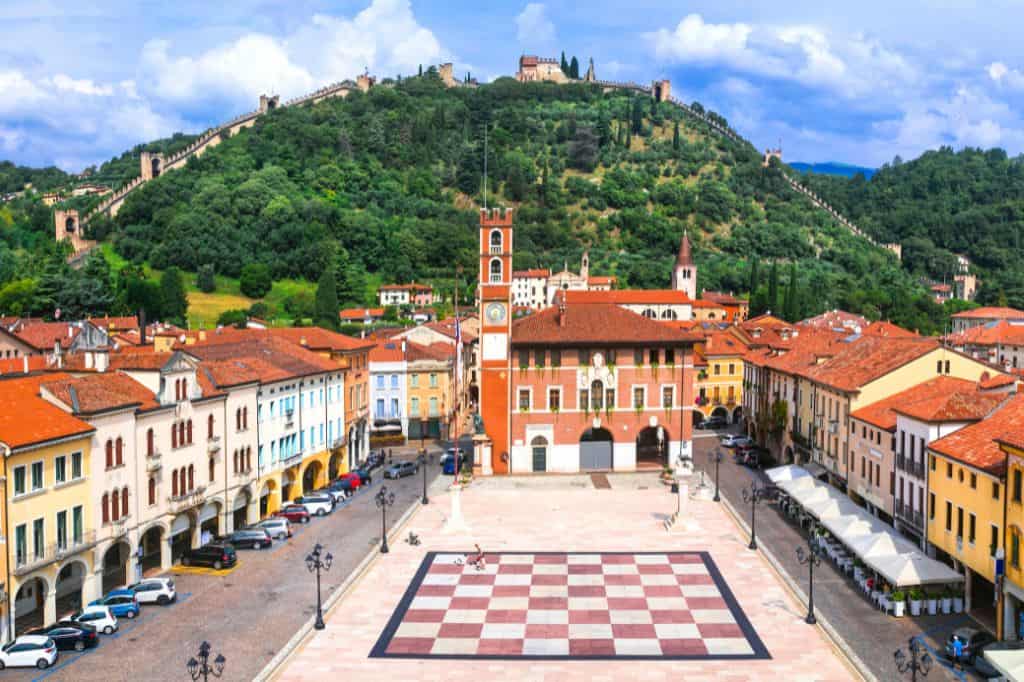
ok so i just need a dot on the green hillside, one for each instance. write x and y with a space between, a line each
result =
385 186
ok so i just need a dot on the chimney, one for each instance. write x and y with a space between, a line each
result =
561 312
71 331
403 348
24 363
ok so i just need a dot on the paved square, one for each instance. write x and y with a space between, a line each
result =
518 606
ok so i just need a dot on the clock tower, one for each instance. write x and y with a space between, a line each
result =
495 279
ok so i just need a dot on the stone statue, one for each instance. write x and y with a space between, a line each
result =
478 424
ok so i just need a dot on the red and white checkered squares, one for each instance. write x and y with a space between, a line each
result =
559 605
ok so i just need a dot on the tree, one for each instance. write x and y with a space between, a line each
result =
565 64
675 137
773 288
173 301
326 312
255 280
390 313
755 277
205 279
584 149
229 318
791 308
637 116
574 68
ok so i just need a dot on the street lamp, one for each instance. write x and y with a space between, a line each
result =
422 459
423 434
201 668
384 499
315 562
754 494
716 457
918 661
811 557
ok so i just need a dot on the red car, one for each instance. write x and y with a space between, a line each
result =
354 480
295 513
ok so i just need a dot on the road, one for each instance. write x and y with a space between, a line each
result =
871 634
247 615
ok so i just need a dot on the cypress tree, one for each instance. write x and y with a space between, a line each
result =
565 64
326 303
791 308
574 68
675 137
755 275
638 119
773 288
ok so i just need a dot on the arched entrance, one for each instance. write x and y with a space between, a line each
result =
209 520
737 415
115 565
539 445
596 449
268 505
311 476
789 455
721 412
155 166
181 535
30 605
698 418
652 447
240 510
152 547
334 465
287 483
69 588
70 226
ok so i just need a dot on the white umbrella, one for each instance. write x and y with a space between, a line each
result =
830 507
876 545
788 472
810 495
851 527
907 570
802 483
1009 662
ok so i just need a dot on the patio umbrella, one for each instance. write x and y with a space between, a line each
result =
808 495
791 486
788 472
907 570
830 507
850 527
876 545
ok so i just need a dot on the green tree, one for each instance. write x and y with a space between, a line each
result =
16 297
233 318
173 301
755 275
584 149
791 307
565 64
574 68
773 288
675 137
205 279
390 313
255 280
326 312
637 117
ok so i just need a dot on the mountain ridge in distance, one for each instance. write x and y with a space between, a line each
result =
833 168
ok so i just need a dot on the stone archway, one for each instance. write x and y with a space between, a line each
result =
287 486
737 415
154 166
115 565
70 225
652 447
596 450
334 464
30 604
240 509
722 412
209 520
152 543
70 581
269 502
182 529
311 476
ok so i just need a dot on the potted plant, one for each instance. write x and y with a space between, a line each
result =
947 600
858 570
958 600
916 596
933 603
898 600
666 475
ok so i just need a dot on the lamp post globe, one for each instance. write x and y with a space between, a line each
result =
317 561
384 499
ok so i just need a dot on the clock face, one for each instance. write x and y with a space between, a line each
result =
495 313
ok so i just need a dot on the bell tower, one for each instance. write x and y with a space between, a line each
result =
495 338
684 274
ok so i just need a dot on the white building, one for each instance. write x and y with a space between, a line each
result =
387 387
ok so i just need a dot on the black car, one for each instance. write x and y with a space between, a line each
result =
69 636
217 555
985 669
364 475
375 460
256 538
973 641
713 423
753 457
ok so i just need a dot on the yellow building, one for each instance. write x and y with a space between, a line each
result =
429 389
1012 613
967 510
718 387
49 568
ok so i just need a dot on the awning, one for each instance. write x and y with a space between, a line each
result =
815 469
1009 662
852 527
241 500
879 545
788 472
905 570
813 494
832 507
209 512
181 523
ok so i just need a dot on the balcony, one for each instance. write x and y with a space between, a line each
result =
154 462
26 563
291 460
186 501
289 419
908 514
213 445
833 427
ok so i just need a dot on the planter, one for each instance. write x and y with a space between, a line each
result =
958 604
915 607
858 573
947 604
933 607
898 608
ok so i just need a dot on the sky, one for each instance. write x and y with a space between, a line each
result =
856 82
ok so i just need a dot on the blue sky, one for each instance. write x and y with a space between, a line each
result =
856 82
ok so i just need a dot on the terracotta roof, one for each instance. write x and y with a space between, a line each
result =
722 298
835 319
685 257
723 343
941 399
43 335
403 287
886 329
118 323
27 419
868 358
389 351
626 296
976 445
1001 332
35 363
270 357
941 288
595 323
101 392
447 327
132 359
435 351
997 381
318 338
764 321
535 273
360 313
991 313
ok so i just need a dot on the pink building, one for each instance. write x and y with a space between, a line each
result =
414 294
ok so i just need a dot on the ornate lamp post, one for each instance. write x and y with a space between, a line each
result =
918 661
201 668
317 561
754 494
811 557
423 434
716 457
384 499
422 459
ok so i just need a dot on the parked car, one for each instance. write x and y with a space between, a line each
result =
295 513
754 457
713 423
29 651
316 505
973 640
985 669
256 538
448 461
217 555
364 475
735 440
69 636
154 591
340 489
401 469
100 617
375 460
122 603
352 480
279 528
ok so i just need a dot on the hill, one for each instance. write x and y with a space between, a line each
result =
832 168
385 185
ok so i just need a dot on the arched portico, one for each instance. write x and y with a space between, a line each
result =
270 501
210 519
70 585
32 605
115 565
737 415
596 449
183 528
287 486
652 447
240 509
156 554
722 412
311 476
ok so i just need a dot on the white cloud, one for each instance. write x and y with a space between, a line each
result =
693 40
1002 75
533 26
19 93
64 83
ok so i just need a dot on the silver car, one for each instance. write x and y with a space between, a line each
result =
278 528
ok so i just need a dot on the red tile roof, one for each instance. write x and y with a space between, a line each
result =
318 338
602 280
723 343
535 273
227 373
868 358
685 257
43 335
1002 332
722 298
116 323
991 313
627 296
941 399
271 357
35 363
360 313
886 329
27 419
977 445
595 323
997 381
94 393
835 319
764 321
403 287
388 351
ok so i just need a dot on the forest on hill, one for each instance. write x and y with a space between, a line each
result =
387 184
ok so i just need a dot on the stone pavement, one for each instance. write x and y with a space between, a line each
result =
565 514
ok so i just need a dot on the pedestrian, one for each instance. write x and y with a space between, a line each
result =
958 651
205 537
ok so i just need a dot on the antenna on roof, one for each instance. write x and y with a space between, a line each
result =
485 166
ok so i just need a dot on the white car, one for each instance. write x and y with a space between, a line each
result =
316 505
338 495
279 528
29 651
154 591
100 617
734 440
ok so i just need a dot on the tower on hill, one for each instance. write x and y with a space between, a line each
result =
684 275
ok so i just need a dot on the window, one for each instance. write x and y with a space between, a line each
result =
1016 485
380 381
433 407
639 397
62 530
931 506
638 357
994 543
995 490
584 398
960 474
209 426
584 356
394 381
554 399
77 521
414 405
60 469
106 509
974 481
21 544
653 357
152 491
971 521
414 380
609 398
37 476
191 479
495 270
539 357
556 357
667 396
949 470
947 366
933 459
732 368
38 538
524 399
433 381
119 450
496 241
150 445
596 396
959 523
19 480
1015 549
670 356
949 516
124 502
109 454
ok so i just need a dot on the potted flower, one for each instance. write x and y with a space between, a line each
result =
916 596
933 603
958 600
666 475
898 600
947 600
